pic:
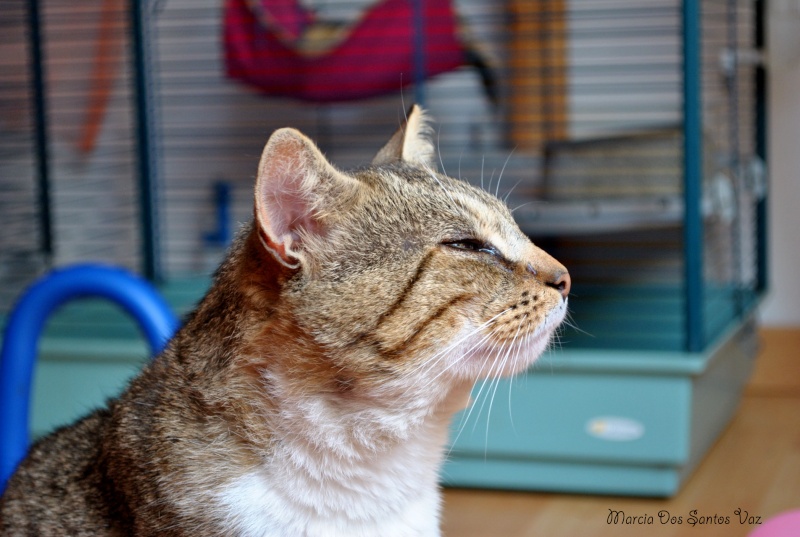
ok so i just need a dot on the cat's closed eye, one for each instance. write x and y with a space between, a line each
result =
473 245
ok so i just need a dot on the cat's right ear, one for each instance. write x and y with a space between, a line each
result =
295 181
411 143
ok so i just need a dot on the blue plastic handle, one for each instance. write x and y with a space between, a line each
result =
25 325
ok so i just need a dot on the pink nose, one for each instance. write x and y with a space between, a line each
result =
556 277
561 282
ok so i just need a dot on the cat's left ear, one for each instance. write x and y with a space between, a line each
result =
411 143
295 184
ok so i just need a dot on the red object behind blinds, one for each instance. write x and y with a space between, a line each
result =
377 56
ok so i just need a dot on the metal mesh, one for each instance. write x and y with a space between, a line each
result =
735 184
88 155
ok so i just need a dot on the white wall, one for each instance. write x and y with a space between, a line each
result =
782 307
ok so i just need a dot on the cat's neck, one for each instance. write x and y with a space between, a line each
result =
372 470
347 428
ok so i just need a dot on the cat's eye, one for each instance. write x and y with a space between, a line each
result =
473 245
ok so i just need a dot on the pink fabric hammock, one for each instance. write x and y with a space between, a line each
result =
375 56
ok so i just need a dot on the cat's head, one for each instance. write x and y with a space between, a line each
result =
396 271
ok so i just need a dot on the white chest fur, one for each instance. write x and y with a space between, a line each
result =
374 475
260 508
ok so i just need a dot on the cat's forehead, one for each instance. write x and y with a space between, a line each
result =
450 196
413 181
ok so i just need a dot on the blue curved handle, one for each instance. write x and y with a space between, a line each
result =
27 320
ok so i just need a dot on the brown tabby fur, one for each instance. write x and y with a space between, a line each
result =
342 288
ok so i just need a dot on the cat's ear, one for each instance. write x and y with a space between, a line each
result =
411 143
294 179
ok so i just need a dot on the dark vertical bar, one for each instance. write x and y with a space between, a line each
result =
40 127
762 281
419 51
145 140
735 162
693 175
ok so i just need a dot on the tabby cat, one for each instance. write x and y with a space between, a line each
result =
310 392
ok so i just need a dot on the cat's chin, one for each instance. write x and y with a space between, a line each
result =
520 356
504 359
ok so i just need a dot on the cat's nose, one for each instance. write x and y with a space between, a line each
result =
561 283
555 277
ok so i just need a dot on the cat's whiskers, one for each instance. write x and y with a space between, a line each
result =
496 378
510 389
413 390
483 162
491 180
493 382
555 341
520 206
502 170
429 384
485 380
439 152
569 322
510 191
430 363
460 157
473 401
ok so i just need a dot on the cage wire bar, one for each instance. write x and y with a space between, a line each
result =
147 139
24 240
761 145
40 127
693 175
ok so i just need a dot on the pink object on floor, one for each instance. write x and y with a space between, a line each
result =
782 525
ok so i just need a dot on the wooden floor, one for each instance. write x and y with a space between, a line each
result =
754 467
